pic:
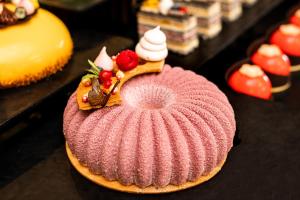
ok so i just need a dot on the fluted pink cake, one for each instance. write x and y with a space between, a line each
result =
171 128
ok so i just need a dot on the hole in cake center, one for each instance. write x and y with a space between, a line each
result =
148 96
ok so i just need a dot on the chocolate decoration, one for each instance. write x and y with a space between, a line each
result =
7 17
96 96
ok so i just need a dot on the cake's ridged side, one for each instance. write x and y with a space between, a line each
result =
180 151
70 110
182 141
145 151
214 126
196 149
217 111
77 118
111 144
95 143
162 147
207 137
87 127
127 154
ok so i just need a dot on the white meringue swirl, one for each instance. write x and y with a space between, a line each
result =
165 6
152 46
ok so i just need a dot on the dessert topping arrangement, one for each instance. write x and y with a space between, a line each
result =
101 86
16 11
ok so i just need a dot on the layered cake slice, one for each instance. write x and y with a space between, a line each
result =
179 26
208 15
231 9
248 2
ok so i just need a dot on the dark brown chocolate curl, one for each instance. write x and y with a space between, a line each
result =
96 96
7 17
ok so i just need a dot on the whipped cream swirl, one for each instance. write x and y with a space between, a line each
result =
290 29
251 71
152 46
269 50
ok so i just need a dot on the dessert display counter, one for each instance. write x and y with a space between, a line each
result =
263 163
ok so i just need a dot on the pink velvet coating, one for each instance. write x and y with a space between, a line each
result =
171 128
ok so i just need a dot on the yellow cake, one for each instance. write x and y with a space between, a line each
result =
34 49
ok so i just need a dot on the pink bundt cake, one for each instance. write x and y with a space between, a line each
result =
172 128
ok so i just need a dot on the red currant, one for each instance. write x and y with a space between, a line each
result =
105 76
107 84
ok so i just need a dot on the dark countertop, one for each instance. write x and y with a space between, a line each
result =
263 164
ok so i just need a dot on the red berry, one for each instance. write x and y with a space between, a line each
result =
107 84
127 60
85 99
183 10
105 75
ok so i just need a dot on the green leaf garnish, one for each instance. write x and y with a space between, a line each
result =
92 71
89 76
94 67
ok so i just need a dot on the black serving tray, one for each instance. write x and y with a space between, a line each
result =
263 164
231 31
17 102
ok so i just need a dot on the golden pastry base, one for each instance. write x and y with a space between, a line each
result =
295 68
115 185
281 88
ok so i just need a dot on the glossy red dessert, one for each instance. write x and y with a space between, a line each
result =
287 37
252 81
272 60
295 19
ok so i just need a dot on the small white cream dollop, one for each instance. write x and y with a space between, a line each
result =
252 71
152 46
269 50
298 13
16 2
27 5
165 6
104 61
290 29
120 74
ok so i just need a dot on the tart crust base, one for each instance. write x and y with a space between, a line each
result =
115 185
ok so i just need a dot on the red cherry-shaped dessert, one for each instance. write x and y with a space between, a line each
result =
127 60
271 59
252 81
105 75
287 37
295 19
